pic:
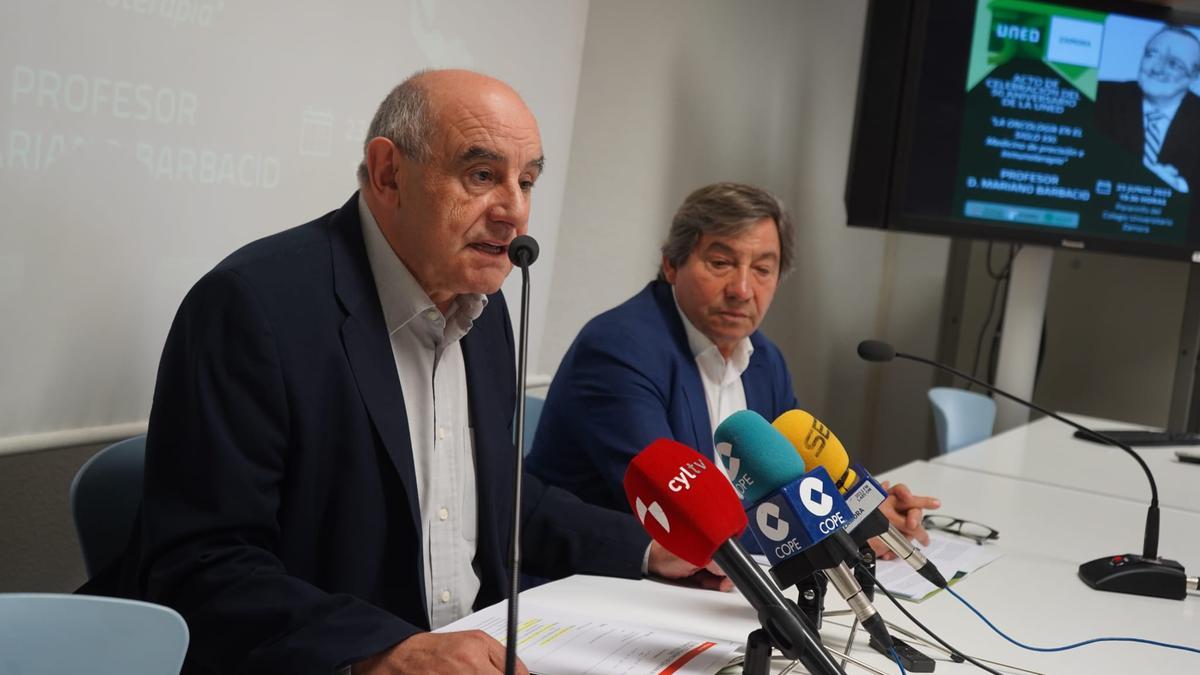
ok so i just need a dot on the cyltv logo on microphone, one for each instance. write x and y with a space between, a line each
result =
688 472
655 510
681 501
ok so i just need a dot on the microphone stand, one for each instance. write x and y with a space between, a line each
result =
522 251
1147 574
784 626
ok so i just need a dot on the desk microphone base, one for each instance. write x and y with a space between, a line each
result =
1135 575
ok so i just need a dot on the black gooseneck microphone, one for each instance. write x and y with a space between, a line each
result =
522 251
1146 574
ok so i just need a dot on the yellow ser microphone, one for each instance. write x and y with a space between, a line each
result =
817 445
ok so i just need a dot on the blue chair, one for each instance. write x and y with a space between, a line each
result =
51 634
105 497
533 412
961 417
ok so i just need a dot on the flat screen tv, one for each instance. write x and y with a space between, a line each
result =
1056 123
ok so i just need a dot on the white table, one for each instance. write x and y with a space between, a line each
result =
1046 452
1033 592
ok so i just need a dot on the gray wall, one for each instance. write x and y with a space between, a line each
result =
1112 328
675 94
1111 333
38 549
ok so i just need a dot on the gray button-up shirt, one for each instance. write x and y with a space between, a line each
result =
433 378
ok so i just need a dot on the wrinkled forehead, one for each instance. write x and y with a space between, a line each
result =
1177 44
484 118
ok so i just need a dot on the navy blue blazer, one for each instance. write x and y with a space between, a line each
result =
1119 115
628 379
281 515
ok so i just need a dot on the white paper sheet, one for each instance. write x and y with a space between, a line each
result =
553 642
954 556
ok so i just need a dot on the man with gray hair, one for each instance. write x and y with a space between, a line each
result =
328 459
1157 117
683 354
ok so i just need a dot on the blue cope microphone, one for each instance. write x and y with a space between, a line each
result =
817 445
793 514
766 469
799 515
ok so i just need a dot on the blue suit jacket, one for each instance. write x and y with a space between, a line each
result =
281 515
628 379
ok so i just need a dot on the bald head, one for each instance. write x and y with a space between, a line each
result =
451 83
448 171
417 108
1170 65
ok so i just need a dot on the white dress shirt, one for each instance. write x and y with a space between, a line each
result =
721 378
433 379
1168 112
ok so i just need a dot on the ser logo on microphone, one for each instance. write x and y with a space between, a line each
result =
818 436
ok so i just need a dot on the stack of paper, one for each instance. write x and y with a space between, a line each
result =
954 556
552 642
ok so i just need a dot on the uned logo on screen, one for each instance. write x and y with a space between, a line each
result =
1010 31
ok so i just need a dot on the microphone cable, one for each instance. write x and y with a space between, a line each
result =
1075 645
953 651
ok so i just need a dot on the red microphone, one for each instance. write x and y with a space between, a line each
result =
688 506
683 500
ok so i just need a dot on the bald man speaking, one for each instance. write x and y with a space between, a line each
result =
329 452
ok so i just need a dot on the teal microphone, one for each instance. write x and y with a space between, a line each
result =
758 458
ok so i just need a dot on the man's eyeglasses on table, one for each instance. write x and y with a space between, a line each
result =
977 532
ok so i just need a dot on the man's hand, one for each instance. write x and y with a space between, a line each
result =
471 651
905 511
1169 174
665 564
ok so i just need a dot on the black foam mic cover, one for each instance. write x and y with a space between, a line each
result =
876 350
523 251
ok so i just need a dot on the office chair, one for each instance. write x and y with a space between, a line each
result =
533 412
961 417
105 497
51 634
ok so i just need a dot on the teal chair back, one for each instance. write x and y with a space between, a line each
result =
533 412
52 634
961 417
105 497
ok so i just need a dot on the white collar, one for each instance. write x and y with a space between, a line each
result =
400 295
706 352
1168 110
